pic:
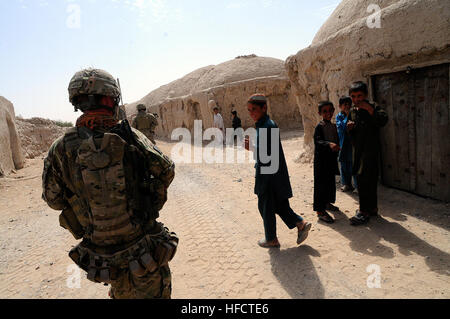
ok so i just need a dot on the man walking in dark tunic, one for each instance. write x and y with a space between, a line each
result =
273 189
365 121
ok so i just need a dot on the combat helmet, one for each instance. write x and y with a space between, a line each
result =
141 107
92 83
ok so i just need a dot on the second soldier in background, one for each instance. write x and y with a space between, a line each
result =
145 122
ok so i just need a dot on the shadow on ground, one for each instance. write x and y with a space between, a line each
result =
295 271
398 205
367 240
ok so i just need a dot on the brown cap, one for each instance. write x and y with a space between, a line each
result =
259 98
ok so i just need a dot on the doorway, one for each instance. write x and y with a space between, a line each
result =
416 142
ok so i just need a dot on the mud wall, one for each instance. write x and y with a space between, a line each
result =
37 135
11 156
183 111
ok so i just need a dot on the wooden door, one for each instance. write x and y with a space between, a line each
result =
432 87
416 141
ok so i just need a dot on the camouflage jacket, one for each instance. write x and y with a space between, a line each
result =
145 121
63 179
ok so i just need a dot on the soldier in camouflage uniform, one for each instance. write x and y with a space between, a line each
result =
145 122
110 183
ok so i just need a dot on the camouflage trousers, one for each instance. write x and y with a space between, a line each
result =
157 285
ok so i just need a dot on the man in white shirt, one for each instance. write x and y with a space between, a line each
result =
218 121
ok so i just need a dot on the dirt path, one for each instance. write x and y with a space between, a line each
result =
214 211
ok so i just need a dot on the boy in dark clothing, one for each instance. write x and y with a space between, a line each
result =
273 189
326 168
346 153
365 121
237 124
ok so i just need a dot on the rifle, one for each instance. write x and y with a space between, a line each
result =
118 114
142 203
120 90
141 192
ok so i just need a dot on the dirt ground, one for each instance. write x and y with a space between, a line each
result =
214 211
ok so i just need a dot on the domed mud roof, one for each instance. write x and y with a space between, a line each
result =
347 13
240 69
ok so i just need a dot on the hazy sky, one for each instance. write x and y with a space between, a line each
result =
145 43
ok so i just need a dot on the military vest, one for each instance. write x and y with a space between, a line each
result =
145 122
105 212
99 179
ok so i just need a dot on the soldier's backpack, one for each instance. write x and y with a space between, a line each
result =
100 199
142 122
104 201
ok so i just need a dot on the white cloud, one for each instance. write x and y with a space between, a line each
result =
236 5
151 12
327 10
242 4
267 3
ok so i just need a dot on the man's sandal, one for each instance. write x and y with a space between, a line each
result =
265 244
359 219
303 234
374 213
332 208
347 189
325 217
